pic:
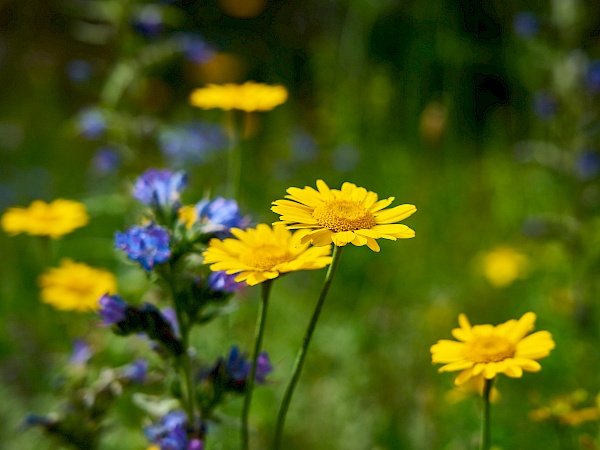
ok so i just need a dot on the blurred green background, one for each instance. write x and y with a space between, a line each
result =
482 114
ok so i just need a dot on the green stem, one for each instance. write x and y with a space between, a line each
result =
183 360
301 355
258 338
486 425
234 163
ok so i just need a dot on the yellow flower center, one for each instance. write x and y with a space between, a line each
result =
265 257
485 349
344 215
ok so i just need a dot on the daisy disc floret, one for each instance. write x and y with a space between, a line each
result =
263 253
349 215
489 350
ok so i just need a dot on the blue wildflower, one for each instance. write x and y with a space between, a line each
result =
190 143
238 366
345 157
112 309
148 245
91 123
220 281
218 216
170 433
81 353
545 105
78 70
136 371
593 77
148 21
526 24
106 160
587 165
194 48
304 147
160 188
35 419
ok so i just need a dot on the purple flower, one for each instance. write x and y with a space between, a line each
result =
148 245
170 432
544 105
219 215
136 371
238 366
221 282
194 48
160 188
81 353
263 367
171 316
526 24
91 123
112 309
593 77
195 444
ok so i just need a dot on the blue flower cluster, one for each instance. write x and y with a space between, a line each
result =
231 373
191 143
171 433
148 245
160 188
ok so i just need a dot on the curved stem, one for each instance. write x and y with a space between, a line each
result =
258 338
301 355
485 424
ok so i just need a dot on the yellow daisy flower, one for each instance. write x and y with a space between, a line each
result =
351 214
489 350
263 253
53 219
249 97
76 286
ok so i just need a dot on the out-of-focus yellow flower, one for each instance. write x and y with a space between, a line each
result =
248 97
566 410
472 387
53 219
432 122
503 265
76 286
489 350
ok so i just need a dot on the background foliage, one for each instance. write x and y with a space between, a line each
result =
486 121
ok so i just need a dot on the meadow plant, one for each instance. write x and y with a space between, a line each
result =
181 260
